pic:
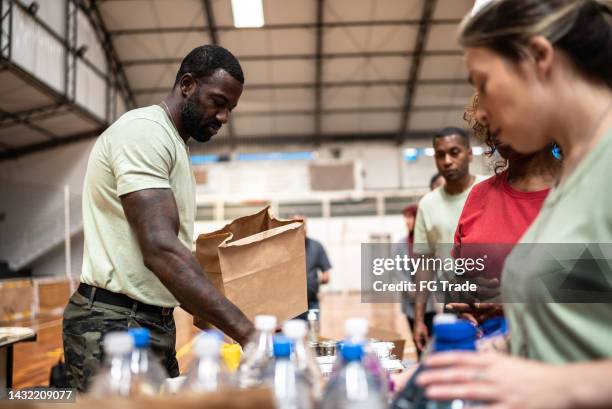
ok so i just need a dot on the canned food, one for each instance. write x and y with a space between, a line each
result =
324 348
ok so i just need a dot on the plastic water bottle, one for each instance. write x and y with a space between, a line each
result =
290 388
114 377
208 373
314 325
354 386
302 355
146 369
356 332
413 396
494 336
258 352
449 334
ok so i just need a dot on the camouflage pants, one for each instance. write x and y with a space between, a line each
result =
86 323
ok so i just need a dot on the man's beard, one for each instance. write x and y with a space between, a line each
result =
193 120
454 176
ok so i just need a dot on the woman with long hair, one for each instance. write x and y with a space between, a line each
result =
543 70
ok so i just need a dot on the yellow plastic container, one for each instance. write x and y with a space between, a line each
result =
231 354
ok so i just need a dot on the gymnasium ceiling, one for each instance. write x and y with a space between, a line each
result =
317 71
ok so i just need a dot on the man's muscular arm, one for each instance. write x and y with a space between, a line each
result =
153 216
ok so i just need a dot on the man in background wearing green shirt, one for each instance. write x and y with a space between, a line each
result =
138 221
439 212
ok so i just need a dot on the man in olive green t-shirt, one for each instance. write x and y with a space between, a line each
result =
138 221
439 212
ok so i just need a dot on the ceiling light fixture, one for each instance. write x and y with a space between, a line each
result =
247 13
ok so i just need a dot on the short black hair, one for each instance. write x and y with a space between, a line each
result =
452 130
203 61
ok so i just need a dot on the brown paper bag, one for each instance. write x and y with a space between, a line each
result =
259 264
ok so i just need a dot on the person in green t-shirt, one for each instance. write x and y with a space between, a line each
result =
437 217
138 221
541 68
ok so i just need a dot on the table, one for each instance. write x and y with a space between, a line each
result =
9 336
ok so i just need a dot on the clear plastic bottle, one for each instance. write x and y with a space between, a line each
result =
208 373
296 331
258 353
449 334
356 332
314 325
291 390
148 374
354 386
114 377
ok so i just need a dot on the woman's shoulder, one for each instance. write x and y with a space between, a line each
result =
481 189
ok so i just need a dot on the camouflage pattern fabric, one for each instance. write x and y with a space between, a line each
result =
85 325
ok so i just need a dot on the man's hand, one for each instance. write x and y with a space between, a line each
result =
487 290
324 277
420 334
154 218
476 313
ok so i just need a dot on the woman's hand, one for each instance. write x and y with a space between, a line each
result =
496 381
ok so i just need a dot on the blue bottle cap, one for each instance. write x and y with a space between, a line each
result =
460 335
142 337
493 325
352 351
282 346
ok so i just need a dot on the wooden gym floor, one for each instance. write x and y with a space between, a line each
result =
33 361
